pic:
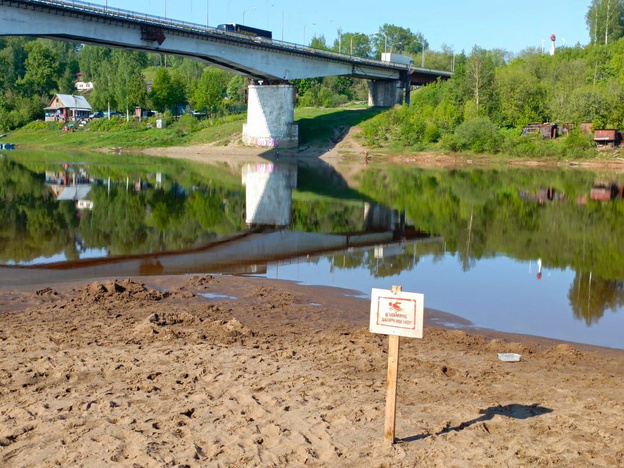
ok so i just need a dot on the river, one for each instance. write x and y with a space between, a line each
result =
531 251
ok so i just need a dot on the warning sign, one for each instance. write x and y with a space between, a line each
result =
398 314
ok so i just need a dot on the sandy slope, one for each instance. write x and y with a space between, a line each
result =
132 374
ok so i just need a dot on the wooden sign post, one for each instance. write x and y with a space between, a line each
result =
396 314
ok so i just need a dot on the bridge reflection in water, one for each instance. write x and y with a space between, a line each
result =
268 211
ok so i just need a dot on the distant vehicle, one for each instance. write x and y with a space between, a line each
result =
97 115
247 30
114 114
397 58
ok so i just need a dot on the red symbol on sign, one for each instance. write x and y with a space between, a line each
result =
396 306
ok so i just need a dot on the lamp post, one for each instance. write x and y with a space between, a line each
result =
422 44
207 10
165 9
244 15
304 29
268 12
340 39
385 42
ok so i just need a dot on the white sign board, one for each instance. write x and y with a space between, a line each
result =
399 314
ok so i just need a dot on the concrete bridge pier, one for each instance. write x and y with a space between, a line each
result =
385 93
271 117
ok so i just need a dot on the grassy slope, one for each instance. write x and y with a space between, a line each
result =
316 126
138 138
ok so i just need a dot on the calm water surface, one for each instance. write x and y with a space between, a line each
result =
499 293
537 252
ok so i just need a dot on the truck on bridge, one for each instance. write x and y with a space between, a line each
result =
246 30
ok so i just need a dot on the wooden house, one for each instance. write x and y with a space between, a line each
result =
66 108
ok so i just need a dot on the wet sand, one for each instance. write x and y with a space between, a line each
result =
147 372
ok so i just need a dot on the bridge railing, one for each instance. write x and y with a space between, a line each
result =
201 29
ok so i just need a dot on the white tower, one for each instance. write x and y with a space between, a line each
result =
552 46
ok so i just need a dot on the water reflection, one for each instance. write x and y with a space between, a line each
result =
590 297
269 193
506 219
83 210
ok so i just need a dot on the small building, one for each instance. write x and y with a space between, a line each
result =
84 87
66 108
607 137
547 130
140 113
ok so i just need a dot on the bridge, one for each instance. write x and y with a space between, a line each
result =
269 64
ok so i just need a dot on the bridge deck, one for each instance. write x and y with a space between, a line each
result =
158 29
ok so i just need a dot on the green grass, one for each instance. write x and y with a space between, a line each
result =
316 127
132 135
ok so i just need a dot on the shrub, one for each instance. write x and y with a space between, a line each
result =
450 142
187 124
479 135
432 133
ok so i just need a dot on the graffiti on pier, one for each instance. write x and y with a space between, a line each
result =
268 142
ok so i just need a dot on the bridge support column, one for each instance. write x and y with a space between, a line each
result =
385 93
271 117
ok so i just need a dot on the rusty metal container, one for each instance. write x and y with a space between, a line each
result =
607 137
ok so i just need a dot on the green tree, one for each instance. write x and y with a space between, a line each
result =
396 39
41 70
605 20
357 44
236 90
520 94
210 90
178 85
319 42
162 94
130 88
480 76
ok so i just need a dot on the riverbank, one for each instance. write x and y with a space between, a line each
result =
345 152
148 372
326 134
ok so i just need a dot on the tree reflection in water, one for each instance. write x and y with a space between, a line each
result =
590 297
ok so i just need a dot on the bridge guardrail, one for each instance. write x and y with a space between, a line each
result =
197 28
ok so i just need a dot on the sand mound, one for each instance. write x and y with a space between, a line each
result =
564 351
201 282
124 290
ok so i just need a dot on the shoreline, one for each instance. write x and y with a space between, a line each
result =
345 146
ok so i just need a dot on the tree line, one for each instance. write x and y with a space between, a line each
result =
493 95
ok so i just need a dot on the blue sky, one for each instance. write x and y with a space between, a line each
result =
460 24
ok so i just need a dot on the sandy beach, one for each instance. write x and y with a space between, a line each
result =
232 371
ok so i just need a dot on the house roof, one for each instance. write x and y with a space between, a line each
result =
74 192
73 101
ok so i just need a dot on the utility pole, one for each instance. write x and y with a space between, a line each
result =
340 40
